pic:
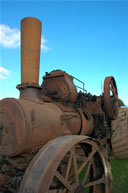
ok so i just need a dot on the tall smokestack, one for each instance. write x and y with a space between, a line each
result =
30 50
30 58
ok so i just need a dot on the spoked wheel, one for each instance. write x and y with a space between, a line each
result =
68 164
111 98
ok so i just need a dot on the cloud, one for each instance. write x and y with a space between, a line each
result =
4 73
43 47
10 38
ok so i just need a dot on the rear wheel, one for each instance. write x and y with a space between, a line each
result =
119 138
68 164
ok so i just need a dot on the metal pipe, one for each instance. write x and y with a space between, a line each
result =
30 50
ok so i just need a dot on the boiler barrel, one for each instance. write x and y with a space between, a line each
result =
25 124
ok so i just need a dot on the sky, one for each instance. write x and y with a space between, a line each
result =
87 39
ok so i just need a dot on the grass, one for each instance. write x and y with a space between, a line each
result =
81 175
120 175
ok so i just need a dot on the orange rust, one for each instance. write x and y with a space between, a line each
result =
86 122
94 108
111 103
30 50
27 124
59 86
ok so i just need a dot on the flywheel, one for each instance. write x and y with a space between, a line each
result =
120 134
68 164
110 98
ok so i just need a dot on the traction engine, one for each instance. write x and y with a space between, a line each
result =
54 138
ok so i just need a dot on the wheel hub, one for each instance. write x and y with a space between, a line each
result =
79 189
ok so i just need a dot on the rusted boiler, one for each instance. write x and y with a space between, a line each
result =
56 139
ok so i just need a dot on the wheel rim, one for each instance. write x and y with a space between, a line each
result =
111 97
60 167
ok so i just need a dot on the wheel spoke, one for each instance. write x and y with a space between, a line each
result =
63 181
67 171
75 165
86 174
96 182
60 171
114 107
113 89
68 166
86 161
115 97
112 84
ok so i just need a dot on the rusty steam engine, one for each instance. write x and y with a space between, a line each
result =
53 138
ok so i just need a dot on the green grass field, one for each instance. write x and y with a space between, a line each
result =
120 175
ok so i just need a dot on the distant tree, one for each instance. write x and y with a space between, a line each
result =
121 103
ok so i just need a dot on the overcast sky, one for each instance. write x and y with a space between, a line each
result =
87 39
